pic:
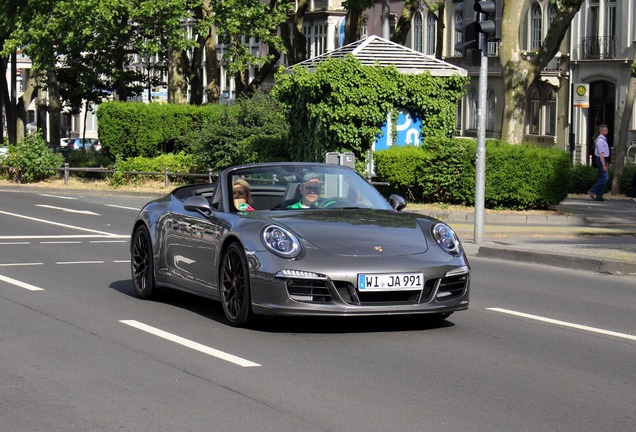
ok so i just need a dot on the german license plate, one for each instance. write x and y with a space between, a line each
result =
390 282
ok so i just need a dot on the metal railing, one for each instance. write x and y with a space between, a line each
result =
602 47
66 170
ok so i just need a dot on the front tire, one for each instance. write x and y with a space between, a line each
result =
142 263
236 296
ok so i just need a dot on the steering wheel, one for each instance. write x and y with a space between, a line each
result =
336 203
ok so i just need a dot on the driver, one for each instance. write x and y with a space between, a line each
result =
310 191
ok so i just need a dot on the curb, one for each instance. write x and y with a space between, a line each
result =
573 262
449 216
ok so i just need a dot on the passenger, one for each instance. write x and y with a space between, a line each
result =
310 191
242 195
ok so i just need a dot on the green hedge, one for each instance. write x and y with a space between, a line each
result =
129 129
443 170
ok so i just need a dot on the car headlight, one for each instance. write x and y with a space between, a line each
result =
446 238
280 241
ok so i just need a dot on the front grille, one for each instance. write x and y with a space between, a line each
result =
452 286
306 290
353 296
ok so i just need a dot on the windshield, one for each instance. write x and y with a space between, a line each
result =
301 186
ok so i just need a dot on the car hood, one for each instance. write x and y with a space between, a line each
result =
357 232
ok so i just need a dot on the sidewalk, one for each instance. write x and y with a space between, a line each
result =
590 236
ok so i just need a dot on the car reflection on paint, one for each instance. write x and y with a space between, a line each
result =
315 240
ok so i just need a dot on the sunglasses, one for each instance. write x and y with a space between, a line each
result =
312 188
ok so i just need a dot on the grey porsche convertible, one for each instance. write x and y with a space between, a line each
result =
298 239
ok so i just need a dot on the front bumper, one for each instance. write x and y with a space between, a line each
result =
325 296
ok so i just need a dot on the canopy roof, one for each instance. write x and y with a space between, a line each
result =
374 51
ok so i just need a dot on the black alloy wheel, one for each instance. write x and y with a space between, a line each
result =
236 295
141 263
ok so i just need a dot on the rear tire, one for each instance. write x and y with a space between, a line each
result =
236 295
142 264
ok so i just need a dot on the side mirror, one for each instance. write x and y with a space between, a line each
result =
198 203
397 202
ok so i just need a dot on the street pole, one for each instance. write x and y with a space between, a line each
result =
480 161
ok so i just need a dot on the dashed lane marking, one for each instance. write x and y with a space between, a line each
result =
564 323
106 234
190 344
20 284
68 210
122 207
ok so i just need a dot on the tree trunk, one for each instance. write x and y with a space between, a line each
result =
5 102
439 33
403 25
353 23
623 132
211 62
299 39
177 82
521 69
516 74
23 103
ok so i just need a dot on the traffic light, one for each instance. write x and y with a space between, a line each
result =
467 26
489 18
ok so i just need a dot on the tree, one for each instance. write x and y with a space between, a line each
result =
521 69
403 27
241 20
623 131
353 20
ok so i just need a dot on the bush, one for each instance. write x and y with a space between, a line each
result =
627 180
129 129
582 178
517 176
175 163
449 173
32 160
253 130
398 166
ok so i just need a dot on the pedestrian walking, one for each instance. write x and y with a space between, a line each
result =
601 152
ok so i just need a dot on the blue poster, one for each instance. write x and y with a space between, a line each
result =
409 131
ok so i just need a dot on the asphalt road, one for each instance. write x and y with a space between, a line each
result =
540 349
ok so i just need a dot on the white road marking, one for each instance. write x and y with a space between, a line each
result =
122 261
79 236
20 264
56 224
14 243
67 210
122 207
61 242
20 284
79 262
564 323
190 344
58 196
107 241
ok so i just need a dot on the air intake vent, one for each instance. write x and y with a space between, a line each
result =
305 290
452 286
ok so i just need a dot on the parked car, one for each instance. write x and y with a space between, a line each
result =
307 239
86 144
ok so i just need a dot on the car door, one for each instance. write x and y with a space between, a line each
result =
192 248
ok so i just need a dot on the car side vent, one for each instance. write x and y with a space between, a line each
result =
452 286
304 290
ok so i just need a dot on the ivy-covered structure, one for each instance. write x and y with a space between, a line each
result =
340 100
